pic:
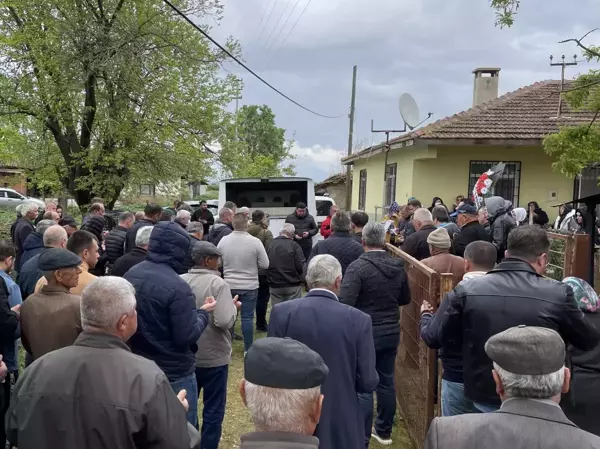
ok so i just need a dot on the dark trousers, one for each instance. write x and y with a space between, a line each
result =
262 302
214 383
7 389
306 249
386 348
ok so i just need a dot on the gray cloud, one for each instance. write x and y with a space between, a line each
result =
426 47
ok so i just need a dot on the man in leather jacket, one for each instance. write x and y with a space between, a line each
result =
512 294
501 223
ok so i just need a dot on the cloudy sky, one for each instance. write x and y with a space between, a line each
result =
427 48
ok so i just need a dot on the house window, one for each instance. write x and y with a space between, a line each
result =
507 186
147 189
390 184
362 190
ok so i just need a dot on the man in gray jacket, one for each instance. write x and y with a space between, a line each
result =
214 346
530 376
117 399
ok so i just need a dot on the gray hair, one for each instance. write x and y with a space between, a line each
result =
27 207
54 236
422 215
279 410
43 225
105 300
195 227
543 386
288 229
142 238
244 210
340 222
323 270
373 235
183 214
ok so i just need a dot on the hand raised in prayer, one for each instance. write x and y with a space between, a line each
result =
181 396
426 307
209 304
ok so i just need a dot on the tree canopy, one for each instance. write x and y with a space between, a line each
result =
575 147
254 146
110 92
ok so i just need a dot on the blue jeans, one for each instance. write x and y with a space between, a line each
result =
189 384
385 359
454 401
248 300
214 383
485 408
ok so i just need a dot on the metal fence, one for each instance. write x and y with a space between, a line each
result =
568 256
416 364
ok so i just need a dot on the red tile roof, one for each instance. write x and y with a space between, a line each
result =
525 114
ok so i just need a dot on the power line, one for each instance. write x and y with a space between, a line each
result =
266 23
289 34
276 25
224 50
284 24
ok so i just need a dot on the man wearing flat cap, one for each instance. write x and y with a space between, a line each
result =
214 345
50 318
282 389
530 376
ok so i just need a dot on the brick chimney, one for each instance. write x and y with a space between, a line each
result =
486 85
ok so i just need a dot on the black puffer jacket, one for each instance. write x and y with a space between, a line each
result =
115 243
302 225
501 223
218 231
376 284
510 295
340 245
471 232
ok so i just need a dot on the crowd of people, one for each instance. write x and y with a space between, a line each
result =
123 330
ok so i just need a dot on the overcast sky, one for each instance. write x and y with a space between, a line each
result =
427 48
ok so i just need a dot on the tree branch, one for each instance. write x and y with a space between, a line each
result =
90 110
580 45
116 12
593 120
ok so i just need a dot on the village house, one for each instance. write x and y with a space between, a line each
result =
446 157
335 188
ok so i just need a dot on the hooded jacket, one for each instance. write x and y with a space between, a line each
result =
566 222
376 284
218 231
501 223
169 324
34 243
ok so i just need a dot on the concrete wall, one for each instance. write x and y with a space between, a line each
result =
444 172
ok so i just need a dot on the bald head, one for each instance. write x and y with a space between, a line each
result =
225 215
55 237
51 215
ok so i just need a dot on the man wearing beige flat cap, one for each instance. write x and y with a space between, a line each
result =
530 377
441 260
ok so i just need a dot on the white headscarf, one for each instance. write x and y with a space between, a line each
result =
519 214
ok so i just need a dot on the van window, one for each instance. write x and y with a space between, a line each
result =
323 207
265 194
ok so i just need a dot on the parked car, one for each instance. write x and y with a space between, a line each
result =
11 198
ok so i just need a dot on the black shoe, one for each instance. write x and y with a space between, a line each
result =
237 337
262 329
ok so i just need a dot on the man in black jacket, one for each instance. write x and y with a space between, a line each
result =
340 244
115 239
471 231
286 266
126 261
305 226
416 244
152 213
204 216
223 227
376 284
501 223
21 228
359 221
514 293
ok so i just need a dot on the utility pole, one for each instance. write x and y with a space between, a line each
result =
563 65
350 141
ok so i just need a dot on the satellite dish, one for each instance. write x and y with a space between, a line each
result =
409 110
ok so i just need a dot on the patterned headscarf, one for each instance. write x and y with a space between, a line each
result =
585 296
394 208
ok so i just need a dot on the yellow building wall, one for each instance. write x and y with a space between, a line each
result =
444 172
448 175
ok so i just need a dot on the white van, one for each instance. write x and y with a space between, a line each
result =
277 197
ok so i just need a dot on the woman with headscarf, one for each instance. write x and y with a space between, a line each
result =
459 199
565 222
391 222
580 220
520 215
582 402
540 217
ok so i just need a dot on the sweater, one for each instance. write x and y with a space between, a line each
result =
243 256
214 345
